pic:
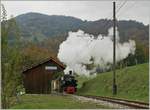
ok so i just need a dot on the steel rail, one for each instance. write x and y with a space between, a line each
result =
129 103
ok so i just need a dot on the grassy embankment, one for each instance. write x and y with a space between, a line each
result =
133 83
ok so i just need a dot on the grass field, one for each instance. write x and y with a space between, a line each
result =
81 80
133 83
29 101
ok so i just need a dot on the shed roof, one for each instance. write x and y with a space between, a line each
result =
44 61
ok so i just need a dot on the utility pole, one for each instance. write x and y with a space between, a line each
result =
114 50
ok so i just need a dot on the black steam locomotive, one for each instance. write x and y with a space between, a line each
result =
68 83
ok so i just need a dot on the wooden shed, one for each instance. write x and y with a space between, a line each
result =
37 79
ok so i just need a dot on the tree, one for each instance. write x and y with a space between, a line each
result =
141 53
11 61
34 54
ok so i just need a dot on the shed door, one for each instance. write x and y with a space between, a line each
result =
47 84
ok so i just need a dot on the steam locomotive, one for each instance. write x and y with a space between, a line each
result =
68 83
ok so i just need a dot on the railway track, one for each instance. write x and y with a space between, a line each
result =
124 102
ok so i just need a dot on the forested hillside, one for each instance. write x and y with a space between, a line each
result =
47 32
37 27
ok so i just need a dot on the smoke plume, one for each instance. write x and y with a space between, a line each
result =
81 49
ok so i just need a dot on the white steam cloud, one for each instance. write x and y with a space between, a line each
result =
81 49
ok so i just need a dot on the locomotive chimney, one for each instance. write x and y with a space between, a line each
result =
70 72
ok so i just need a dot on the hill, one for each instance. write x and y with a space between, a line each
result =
49 31
40 26
133 83
37 27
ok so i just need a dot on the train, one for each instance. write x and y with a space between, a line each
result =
65 84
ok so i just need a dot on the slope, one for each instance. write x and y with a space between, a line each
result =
133 83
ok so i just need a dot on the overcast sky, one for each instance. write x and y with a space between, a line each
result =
85 10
